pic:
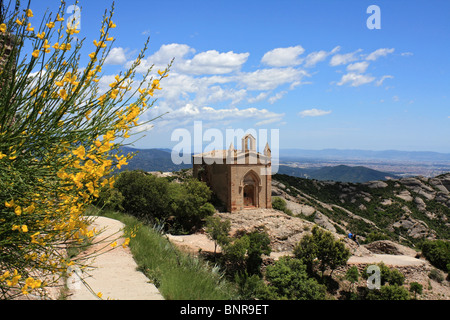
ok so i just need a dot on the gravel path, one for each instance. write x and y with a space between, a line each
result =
114 272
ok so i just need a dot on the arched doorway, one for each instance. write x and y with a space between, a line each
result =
250 195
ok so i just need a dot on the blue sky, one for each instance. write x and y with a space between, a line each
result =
311 69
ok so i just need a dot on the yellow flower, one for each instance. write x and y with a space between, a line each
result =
114 244
19 22
92 55
126 242
111 24
29 13
56 46
9 204
58 18
18 211
24 228
3 27
50 25
41 35
80 152
63 94
29 27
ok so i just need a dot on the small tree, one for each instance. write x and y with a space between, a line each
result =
352 275
287 279
321 246
416 288
218 230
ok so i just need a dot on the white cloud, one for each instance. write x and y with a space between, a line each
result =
269 79
283 57
355 79
407 54
380 82
277 97
379 53
189 112
358 67
339 59
314 57
116 56
214 62
313 113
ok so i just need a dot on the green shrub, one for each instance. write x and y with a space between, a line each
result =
145 196
280 204
287 279
438 253
182 206
321 248
416 288
389 292
436 275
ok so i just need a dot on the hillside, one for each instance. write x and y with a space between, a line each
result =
340 173
152 160
404 210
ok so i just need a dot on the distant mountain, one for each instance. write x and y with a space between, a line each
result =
337 154
339 173
152 160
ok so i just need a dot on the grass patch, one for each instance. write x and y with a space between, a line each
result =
178 275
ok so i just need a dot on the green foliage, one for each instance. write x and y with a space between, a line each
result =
183 206
287 279
189 204
391 292
438 253
321 247
110 199
352 274
436 275
416 288
146 196
218 230
388 276
280 204
245 252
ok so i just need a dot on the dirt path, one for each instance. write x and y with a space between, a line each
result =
388 259
114 272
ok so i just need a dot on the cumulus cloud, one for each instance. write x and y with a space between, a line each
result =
379 53
358 67
283 57
313 113
116 56
190 112
355 79
214 62
269 79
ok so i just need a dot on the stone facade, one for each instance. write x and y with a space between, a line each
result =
240 178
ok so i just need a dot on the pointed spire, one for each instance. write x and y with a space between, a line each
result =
267 151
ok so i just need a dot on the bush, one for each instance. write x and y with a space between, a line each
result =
245 252
280 204
145 196
320 247
438 253
182 206
287 279
390 292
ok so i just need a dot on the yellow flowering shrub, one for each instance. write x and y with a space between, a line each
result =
59 137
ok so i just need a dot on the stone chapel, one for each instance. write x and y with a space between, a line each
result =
241 179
